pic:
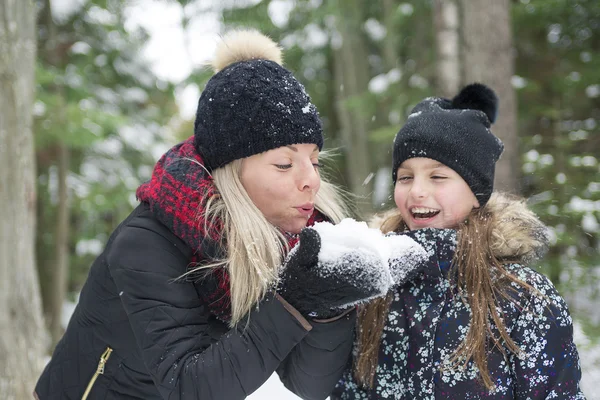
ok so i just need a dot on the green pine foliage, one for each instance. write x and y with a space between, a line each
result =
98 96
558 43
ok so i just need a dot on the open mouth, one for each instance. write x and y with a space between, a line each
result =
423 212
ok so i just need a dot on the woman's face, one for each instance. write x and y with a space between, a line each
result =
283 183
432 195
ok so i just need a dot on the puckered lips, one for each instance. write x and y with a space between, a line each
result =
306 209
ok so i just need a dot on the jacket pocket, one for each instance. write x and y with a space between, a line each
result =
100 370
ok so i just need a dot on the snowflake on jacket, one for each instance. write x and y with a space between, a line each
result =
428 320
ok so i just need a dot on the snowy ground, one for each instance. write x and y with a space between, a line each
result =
273 389
589 353
590 364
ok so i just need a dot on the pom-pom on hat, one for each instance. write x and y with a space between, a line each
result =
456 133
252 104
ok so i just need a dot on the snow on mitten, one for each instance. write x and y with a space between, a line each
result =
436 246
406 257
332 268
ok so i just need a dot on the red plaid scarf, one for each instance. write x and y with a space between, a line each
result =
177 195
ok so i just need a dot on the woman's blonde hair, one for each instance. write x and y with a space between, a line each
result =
478 272
254 248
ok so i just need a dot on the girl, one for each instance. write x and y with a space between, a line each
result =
182 303
476 322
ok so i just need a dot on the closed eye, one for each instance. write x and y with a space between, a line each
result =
404 178
283 166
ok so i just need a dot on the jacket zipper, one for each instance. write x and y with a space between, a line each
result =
100 370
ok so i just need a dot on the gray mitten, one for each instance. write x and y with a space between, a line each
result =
331 270
417 250
406 257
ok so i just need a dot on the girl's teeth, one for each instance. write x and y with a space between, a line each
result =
424 212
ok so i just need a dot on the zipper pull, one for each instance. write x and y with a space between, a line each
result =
103 359
100 370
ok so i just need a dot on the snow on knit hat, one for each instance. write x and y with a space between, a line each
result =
252 104
456 133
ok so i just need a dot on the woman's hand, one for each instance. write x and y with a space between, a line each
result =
323 288
335 267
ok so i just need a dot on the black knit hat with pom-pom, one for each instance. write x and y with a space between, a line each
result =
456 133
252 104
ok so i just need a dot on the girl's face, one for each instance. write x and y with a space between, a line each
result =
432 195
283 183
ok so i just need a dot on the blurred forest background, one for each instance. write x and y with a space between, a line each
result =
84 116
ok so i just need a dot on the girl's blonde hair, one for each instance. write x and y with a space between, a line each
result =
481 279
254 248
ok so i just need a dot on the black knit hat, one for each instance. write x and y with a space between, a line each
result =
456 133
252 104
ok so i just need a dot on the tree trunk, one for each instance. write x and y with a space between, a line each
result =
59 274
446 17
488 57
22 332
382 182
390 41
560 164
59 269
352 74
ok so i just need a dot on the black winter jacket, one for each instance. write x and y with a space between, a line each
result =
161 342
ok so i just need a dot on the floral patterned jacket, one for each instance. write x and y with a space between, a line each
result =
428 321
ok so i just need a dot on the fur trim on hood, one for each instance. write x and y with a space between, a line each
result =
517 235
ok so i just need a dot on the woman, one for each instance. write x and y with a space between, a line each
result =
182 303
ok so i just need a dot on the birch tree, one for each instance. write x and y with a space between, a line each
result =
446 23
352 77
488 57
22 333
